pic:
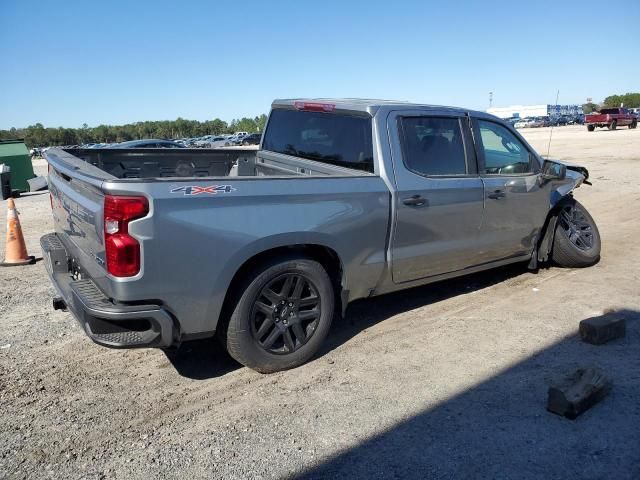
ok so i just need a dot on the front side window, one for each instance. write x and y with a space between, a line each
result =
337 139
503 153
433 146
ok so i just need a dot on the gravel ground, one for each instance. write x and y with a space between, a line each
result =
443 381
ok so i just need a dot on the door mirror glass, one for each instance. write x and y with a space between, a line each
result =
553 171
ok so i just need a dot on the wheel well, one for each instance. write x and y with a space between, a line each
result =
545 244
326 256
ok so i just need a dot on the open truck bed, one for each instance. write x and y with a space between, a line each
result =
156 163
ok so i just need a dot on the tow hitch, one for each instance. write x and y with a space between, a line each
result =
59 304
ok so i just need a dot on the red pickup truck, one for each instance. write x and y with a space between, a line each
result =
611 118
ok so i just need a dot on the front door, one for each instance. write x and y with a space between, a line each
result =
516 202
439 195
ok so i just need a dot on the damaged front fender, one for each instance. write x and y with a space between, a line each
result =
575 176
561 188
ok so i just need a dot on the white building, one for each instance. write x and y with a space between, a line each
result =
524 111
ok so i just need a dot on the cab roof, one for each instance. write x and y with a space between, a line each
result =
366 105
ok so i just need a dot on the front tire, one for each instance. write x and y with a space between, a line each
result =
282 316
576 242
634 124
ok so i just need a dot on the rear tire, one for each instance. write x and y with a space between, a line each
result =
591 128
613 125
282 316
576 242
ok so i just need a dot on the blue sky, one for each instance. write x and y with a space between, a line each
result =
64 62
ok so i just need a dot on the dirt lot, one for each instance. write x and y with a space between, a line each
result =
443 381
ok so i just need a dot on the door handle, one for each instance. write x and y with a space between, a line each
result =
415 201
496 194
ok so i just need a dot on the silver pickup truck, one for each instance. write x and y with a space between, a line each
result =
345 199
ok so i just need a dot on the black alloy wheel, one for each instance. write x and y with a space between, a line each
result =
286 313
281 314
577 241
577 227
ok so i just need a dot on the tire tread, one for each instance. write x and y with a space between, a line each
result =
565 254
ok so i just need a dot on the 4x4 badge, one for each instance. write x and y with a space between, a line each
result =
197 190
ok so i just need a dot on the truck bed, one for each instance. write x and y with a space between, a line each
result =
154 163
245 201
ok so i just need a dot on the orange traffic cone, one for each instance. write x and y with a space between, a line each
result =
16 251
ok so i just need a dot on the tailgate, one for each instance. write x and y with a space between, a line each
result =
596 118
77 204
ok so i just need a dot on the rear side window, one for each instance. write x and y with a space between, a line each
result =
433 146
342 140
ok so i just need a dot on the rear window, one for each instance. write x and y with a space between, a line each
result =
342 140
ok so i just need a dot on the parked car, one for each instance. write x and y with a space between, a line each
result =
232 140
202 142
253 139
577 119
611 118
523 123
559 121
536 122
347 199
217 142
148 143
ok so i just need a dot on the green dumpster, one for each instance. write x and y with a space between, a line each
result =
14 153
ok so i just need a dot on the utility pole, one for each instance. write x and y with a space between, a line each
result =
490 99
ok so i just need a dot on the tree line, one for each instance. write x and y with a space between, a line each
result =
629 100
40 136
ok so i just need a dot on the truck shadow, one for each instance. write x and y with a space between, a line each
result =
204 359
363 314
499 427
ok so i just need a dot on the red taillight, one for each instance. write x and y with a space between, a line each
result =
122 251
315 106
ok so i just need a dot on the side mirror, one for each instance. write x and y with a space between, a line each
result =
553 171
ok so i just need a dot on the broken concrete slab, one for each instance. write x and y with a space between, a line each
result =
578 392
602 329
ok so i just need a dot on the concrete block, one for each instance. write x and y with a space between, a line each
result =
578 392
599 330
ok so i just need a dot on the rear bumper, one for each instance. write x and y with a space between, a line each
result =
107 323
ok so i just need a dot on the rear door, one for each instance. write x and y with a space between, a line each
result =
516 201
439 195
